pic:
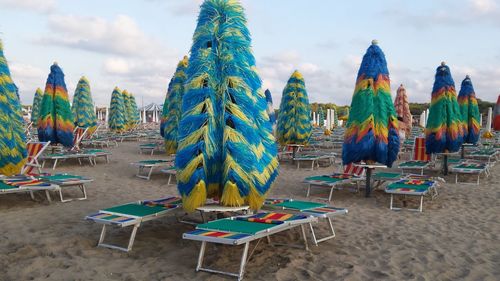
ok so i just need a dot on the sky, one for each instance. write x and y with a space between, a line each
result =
136 44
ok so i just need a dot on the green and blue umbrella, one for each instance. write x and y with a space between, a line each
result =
470 111
55 122
133 111
116 120
226 148
12 139
83 106
372 128
294 119
35 109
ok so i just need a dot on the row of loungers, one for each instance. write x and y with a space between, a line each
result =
234 231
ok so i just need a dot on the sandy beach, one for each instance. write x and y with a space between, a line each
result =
455 238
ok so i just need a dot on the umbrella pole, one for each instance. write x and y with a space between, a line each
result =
445 164
462 156
368 189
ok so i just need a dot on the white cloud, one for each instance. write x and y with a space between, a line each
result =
121 36
41 6
27 78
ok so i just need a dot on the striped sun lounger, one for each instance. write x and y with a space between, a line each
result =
241 230
318 210
133 215
146 167
412 187
420 161
26 184
67 181
350 174
469 168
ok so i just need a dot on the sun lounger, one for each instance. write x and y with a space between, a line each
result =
421 160
318 210
57 157
26 184
314 158
489 154
242 230
150 147
412 187
35 149
146 167
170 171
351 174
132 215
470 168
67 181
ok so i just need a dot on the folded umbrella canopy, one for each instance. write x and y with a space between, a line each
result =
12 139
172 107
55 122
135 116
371 133
496 116
321 117
126 106
402 106
116 121
270 110
83 106
469 111
444 131
226 149
294 119
35 109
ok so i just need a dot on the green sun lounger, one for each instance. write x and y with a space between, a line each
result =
68 181
132 215
146 167
314 158
241 230
412 187
318 210
150 147
470 168
332 181
26 184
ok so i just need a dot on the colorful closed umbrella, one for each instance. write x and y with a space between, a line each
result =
402 106
55 122
133 111
444 129
225 144
469 111
496 116
12 139
83 106
335 118
172 107
126 106
116 121
371 133
37 101
270 110
321 117
294 119
164 112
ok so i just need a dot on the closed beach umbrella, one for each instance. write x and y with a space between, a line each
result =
164 112
469 111
371 133
321 117
270 110
35 109
496 122
294 118
126 105
116 121
55 122
12 138
226 148
172 107
335 118
444 130
402 106
83 106
133 112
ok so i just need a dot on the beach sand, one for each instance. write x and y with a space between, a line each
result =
455 238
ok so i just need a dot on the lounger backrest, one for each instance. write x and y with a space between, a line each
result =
35 149
78 136
352 169
419 152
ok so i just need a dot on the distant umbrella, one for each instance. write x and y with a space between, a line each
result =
444 130
116 121
83 106
12 138
335 118
164 112
172 107
56 119
35 109
371 133
321 117
496 117
469 111
294 118
126 105
133 111
402 106
270 109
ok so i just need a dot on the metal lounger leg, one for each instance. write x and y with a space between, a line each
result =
421 204
82 189
55 164
308 190
129 245
243 262
303 229
331 193
315 240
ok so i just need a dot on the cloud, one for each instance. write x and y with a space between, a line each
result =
40 6
184 7
121 36
27 78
